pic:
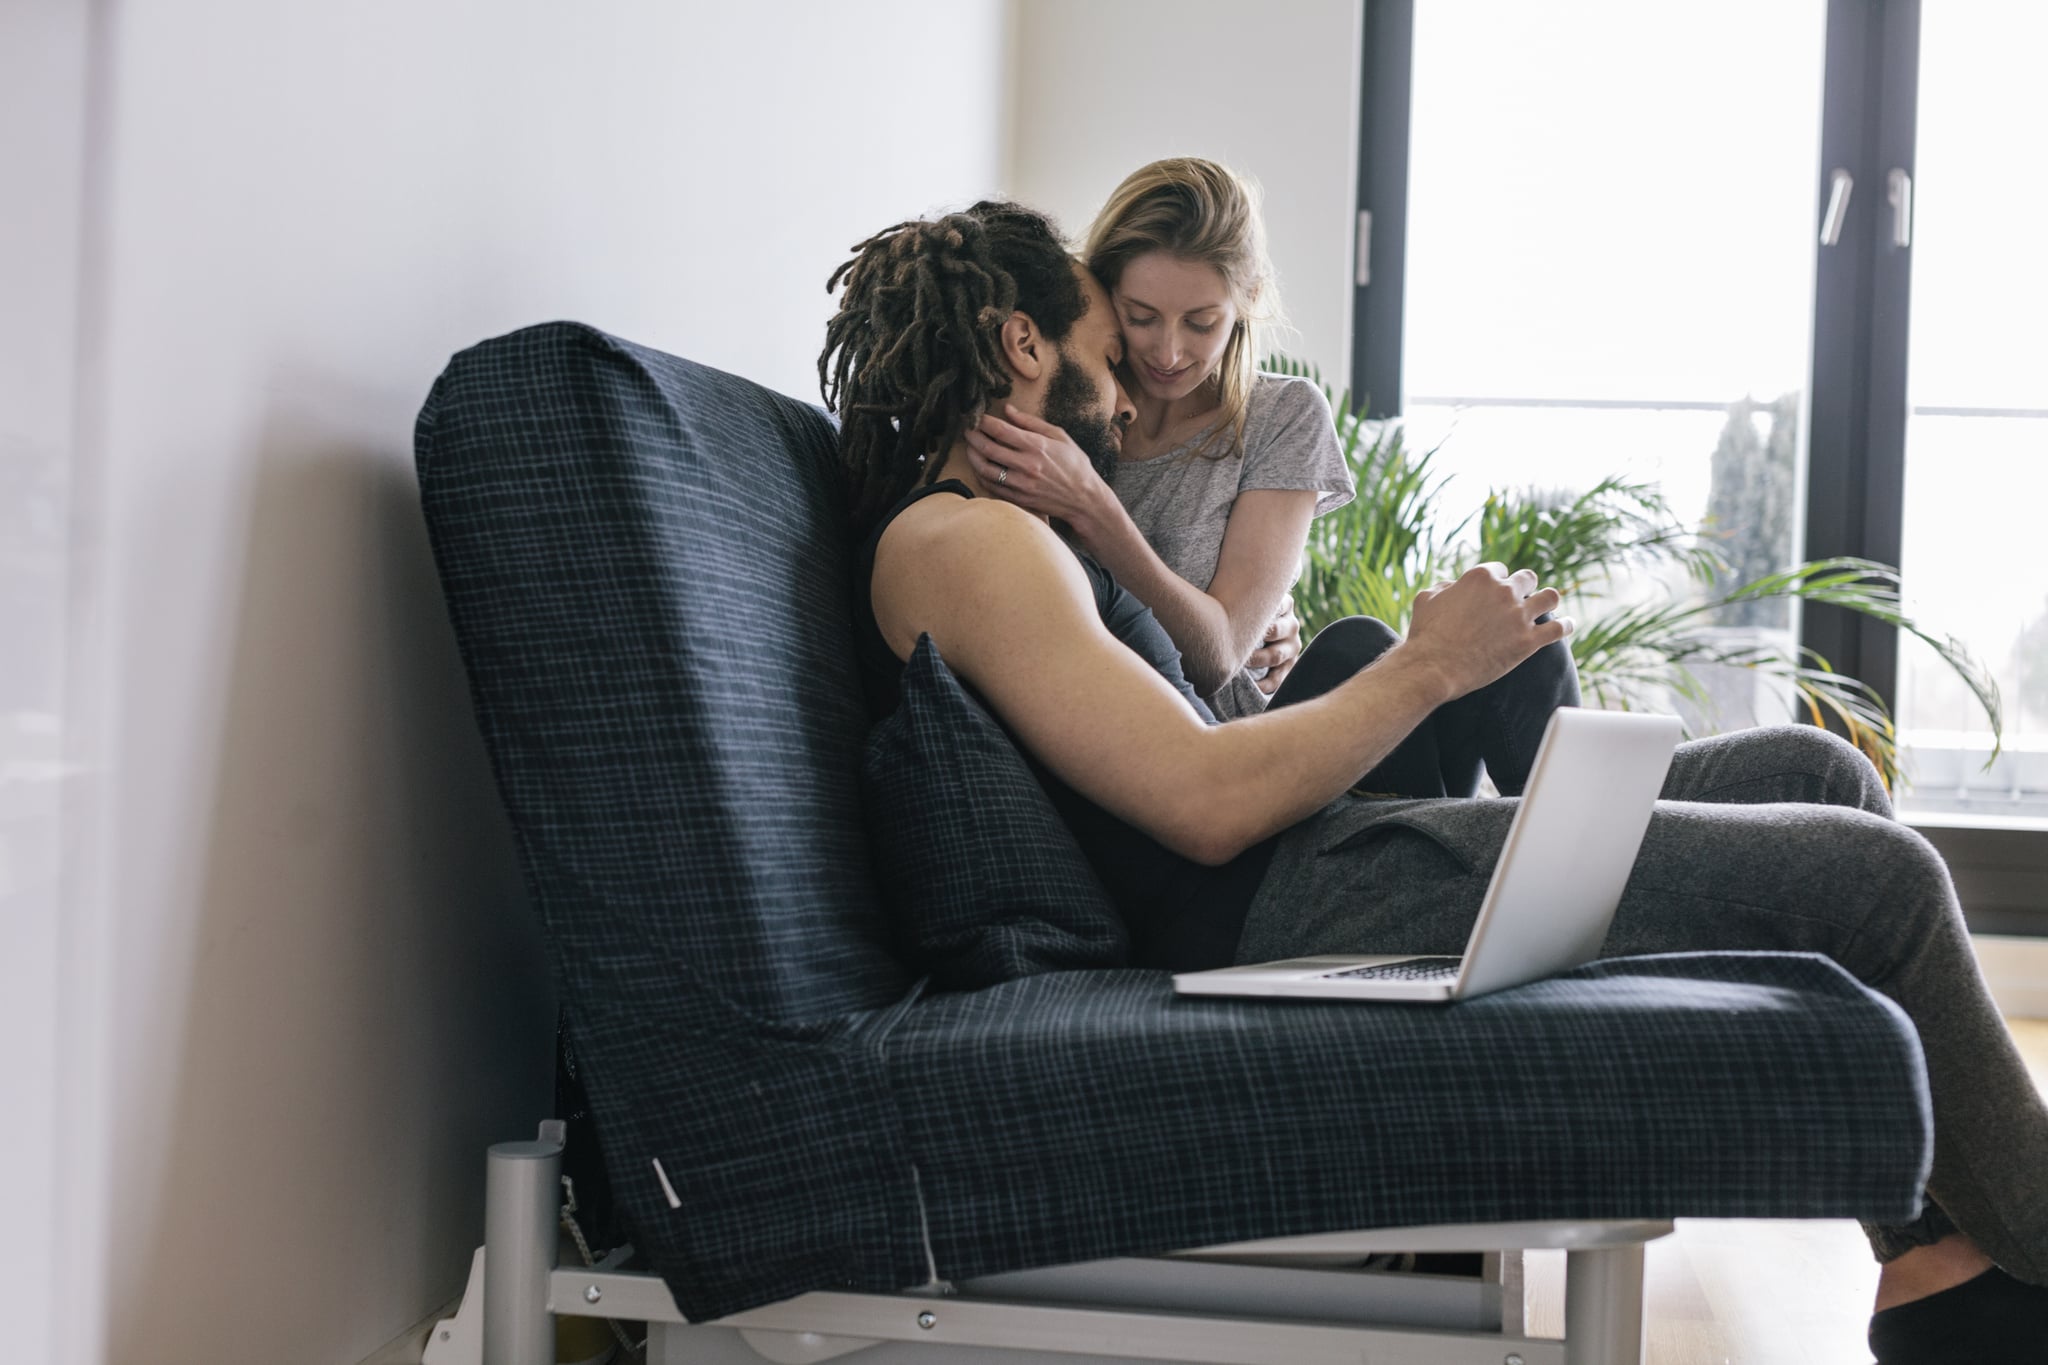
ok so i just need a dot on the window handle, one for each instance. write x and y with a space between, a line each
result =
1898 188
1840 186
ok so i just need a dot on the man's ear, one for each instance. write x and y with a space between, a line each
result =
1025 347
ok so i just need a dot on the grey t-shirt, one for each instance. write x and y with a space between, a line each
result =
1181 499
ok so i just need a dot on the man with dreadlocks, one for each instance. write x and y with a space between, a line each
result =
941 322
1237 842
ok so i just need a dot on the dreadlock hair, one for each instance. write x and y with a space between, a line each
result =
914 355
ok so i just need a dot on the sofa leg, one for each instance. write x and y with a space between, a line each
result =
1603 1306
521 1213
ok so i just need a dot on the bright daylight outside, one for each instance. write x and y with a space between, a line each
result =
1612 230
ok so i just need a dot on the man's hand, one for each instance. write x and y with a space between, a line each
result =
1282 646
1035 465
1476 629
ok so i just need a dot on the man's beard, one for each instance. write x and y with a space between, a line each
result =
1071 404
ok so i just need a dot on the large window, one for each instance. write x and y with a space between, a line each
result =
1609 270
1679 243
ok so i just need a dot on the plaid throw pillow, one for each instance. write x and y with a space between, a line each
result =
984 883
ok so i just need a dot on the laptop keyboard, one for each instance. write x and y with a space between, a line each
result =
1413 969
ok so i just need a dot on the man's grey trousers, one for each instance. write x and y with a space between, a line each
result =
1777 838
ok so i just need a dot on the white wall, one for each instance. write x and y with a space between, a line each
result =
1104 86
46 1124
323 993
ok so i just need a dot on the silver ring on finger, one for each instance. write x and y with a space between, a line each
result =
1003 477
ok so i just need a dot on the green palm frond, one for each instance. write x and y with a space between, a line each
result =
1372 555
1871 589
1583 540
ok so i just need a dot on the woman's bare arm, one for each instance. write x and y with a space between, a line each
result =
1013 615
1217 629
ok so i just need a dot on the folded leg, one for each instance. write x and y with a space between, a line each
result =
1496 729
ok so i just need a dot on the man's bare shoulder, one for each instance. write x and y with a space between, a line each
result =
954 567
969 544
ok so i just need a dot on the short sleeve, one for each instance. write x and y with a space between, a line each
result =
1290 442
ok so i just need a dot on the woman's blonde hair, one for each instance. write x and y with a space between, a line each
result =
1197 210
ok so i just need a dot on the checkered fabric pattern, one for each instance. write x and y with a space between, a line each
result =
647 565
1101 1115
984 883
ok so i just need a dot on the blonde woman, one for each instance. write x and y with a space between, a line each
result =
1205 512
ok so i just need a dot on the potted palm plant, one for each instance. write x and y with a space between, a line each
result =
1371 556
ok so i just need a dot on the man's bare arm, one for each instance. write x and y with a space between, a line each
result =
1013 614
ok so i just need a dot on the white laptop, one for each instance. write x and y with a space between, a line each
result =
1560 876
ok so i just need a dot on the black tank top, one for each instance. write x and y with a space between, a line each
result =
1182 916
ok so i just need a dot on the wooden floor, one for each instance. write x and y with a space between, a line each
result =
1755 1293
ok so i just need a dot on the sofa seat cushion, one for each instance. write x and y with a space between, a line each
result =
1072 1116
1075 1116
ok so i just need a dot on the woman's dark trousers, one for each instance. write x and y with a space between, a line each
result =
1498 727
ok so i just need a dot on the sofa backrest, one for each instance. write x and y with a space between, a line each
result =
647 563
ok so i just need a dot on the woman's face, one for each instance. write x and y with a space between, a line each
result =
1177 316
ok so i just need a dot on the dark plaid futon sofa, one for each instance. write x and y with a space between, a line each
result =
647 563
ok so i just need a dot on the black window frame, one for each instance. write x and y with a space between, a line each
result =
1379 288
1856 443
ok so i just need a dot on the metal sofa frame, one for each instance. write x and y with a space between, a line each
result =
1297 1300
